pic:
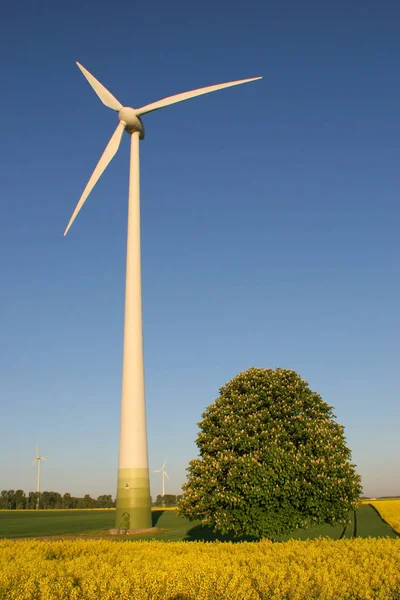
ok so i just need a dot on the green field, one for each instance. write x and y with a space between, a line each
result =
23 524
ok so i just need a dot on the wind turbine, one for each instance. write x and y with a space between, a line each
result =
133 488
164 474
38 459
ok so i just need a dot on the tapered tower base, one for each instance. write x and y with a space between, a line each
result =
133 499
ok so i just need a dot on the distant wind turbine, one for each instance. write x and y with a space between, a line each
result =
38 459
133 488
164 474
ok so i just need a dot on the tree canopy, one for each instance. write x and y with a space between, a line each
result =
272 459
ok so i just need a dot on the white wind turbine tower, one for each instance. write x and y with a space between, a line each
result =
133 489
38 459
164 474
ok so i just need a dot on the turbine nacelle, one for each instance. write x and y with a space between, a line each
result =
132 122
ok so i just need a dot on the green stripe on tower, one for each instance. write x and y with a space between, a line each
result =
133 499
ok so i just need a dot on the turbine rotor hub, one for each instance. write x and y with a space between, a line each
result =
133 123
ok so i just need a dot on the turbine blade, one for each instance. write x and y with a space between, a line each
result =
187 95
43 458
105 96
33 464
166 475
165 462
107 156
37 451
158 471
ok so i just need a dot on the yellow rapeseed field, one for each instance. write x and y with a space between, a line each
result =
107 570
389 511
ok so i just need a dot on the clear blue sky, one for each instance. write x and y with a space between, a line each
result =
270 224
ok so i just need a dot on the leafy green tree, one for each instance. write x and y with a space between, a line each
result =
104 501
20 499
50 500
4 499
56 500
169 500
86 502
31 500
44 500
166 500
272 459
12 504
89 501
67 501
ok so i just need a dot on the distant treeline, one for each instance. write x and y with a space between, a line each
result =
18 500
167 500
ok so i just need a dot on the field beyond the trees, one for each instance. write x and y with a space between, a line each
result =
389 510
367 522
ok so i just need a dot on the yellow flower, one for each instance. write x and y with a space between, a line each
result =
125 570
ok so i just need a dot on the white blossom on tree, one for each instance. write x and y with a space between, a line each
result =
272 459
